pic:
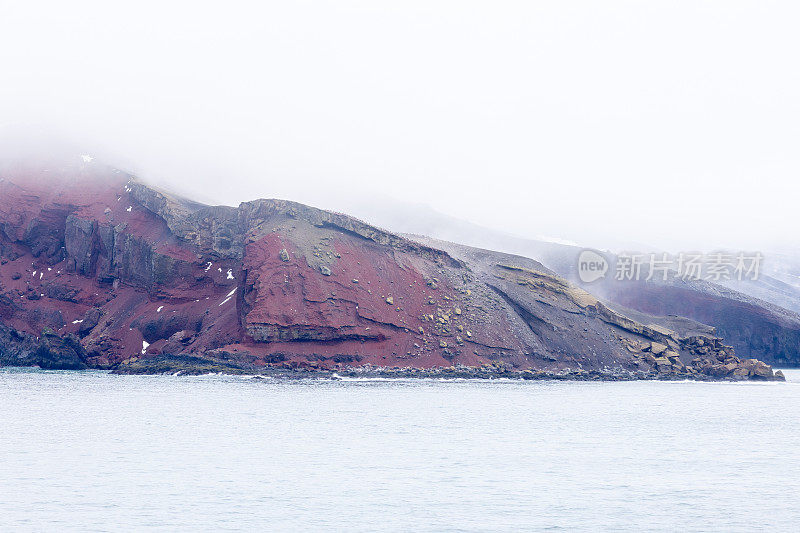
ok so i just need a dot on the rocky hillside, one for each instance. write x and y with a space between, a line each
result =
759 318
755 327
99 270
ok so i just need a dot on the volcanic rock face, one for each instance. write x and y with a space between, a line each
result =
754 327
99 270
759 318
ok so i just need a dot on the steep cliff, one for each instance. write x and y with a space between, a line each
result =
755 327
759 318
100 270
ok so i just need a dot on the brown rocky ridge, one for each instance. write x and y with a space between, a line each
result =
759 317
99 270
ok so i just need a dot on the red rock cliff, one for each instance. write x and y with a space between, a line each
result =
100 270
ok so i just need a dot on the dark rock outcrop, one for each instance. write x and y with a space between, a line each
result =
89 321
60 353
49 351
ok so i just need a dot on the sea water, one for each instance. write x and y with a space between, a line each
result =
92 451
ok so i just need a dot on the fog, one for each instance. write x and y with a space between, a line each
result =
675 124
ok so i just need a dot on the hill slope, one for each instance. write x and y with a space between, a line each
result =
100 270
759 318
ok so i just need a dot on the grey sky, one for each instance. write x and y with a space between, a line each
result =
671 123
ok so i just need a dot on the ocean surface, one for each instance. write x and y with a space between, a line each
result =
91 451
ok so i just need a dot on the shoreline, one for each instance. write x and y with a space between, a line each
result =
183 367
439 374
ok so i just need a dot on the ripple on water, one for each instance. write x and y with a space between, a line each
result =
95 451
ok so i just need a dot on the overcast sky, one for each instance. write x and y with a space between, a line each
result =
671 123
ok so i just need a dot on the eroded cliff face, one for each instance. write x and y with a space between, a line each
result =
756 328
99 270
747 314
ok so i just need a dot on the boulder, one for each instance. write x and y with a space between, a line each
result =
740 374
717 371
90 321
730 367
761 370
663 365
657 348
60 353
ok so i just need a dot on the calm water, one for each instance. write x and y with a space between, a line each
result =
93 451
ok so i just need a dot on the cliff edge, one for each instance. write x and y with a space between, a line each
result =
99 270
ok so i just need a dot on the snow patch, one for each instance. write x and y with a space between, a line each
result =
230 274
159 309
231 293
145 344
224 302
77 321
208 266
129 208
